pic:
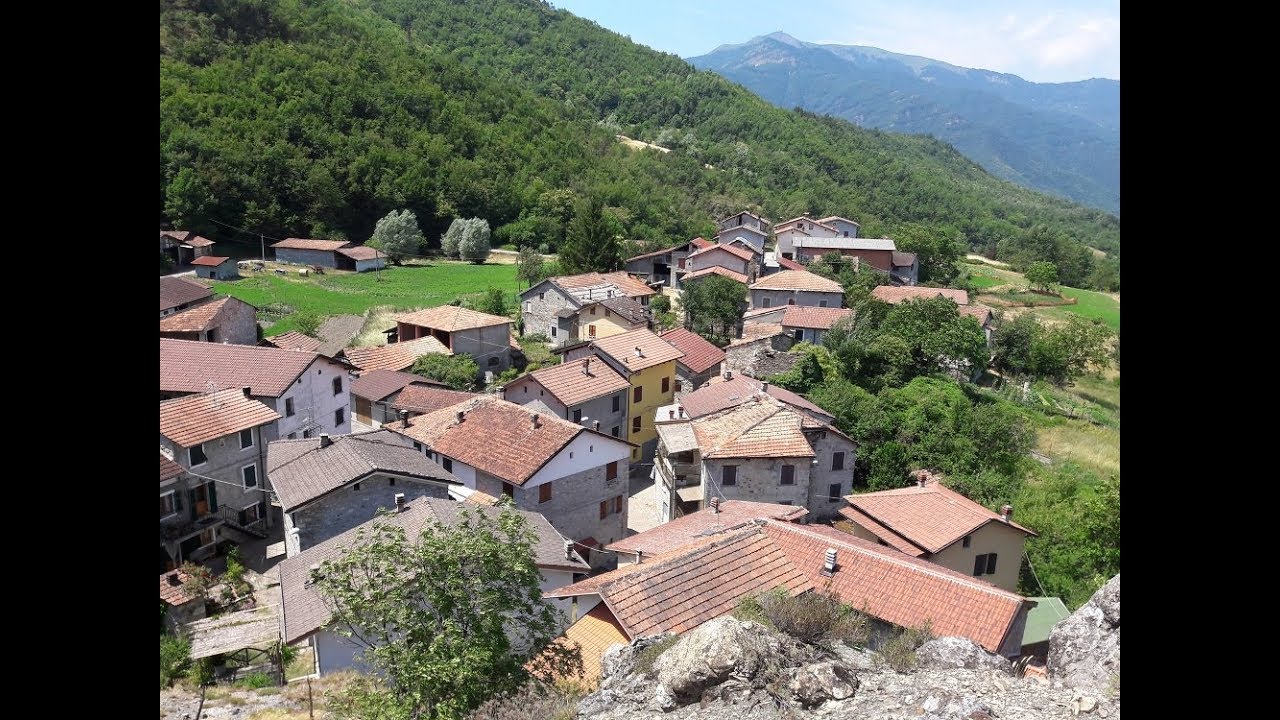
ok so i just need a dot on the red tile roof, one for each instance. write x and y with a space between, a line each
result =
396 356
701 242
629 285
361 252
191 420
294 340
198 318
571 386
379 383
188 238
715 270
700 355
451 318
764 429
868 523
209 260
720 394
175 291
425 398
797 280
171 589
593 634
805 316
735 251
894 295
191 366
981 312
789 264
309 244
622 348
931 517
169 469
679 532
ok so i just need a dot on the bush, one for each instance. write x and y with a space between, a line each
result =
256 680
809 617
202 671
536 337
899 651
175 658
534 702
650 655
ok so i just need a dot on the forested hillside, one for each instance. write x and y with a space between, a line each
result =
316 117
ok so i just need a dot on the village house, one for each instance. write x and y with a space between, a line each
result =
181 607
708 577
667 266
306 616
605 318
805 239
701 361
360 258
215 267
586 392
399 356
328 485
746 230
575 476
554 306
803 323
735 258
294 340
762 351
310 392
937 524
225 320
649 364
182 246
871 252
218 436
906 268
485 337
306 251
420 399
754 447
375 391
189 516
716 518
795 287
178 294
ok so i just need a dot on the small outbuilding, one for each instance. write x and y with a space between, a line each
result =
213 267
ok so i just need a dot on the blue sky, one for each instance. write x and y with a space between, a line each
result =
1039 40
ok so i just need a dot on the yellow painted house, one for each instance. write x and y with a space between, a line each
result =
649 364
610 317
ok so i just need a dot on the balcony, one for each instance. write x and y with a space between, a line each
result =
176 529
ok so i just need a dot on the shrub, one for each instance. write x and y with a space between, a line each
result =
202 671
899 651
650 655
809 617
534 702
256 680
536 337
175 658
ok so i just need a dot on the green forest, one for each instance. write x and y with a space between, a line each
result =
318 117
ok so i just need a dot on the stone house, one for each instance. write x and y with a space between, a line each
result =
934 523
485 337
744 219
762 351
420 399
306 251
189 516
225 320
178 294
375 391
184 246
576 477
702 360
586 392
310 392
327 486
666 266
803 323
306 617
730 257
795 287
553 306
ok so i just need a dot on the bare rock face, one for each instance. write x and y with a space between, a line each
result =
708 655
813 685
958 652
1084 648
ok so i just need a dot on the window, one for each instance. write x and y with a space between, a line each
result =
604 509
553 331
635 424
508 489
617 403
293 436
617 504
337 385
391 481
339 416
447 464
637 393
542 296
611 471
355 488
666 385
833 492
196 455
799 334
591 330
306 433
837 461
593 309
615 431
544 492
250 515
417 445
288 407
765 302
493 361
577 415
246 438
167 505
991 564
788 474
729 475
791 301
984 564
822 303
968 540
249 474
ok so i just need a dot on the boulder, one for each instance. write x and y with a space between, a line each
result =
1084 648
958 652
815 684
713 651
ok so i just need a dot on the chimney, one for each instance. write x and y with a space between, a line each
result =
400 502
501 392
537 422
921 478
460 415
325 440
728 374
829 562
586 366
681 408
246 390
568 549
404 417
595 425
1006 512
173 579
764 386
671 414
715 504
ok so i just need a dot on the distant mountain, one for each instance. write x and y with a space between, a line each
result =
1062 138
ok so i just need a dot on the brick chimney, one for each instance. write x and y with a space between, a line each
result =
537 422
586 366
400 504
325 440
461 415
1006 512
715 505
246 390
922 477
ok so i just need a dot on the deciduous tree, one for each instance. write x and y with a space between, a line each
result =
397 234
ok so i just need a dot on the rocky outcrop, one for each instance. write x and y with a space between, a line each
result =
1084 648
958 652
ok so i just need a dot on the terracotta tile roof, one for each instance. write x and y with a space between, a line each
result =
622 348
760 429
495 436
179 235
700 355
309 244
361 252
903 259
627 308
720 394
981 312
571 386
679 532
188 238
735 251
294 340
715 270
780 227
593 634
304 609
301 470
379 383
797 280
451 318
899 589
209 260
755 331
805 316
827 220
664 251
169 469
171 590
894 295
701 242
844 243
629 285
198 318
175 291
191 420
789 264
396 356
428 398
895 540
932 517
191 366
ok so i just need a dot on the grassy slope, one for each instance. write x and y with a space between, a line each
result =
1089 304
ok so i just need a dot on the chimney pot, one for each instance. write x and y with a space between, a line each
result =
829 562
595 425
404 417
728 374
586 366
1006 512
715 504
400 502
501 392
681 408
246 390
537 422
764 386
921 478
325 440
461 414
568 549
671 414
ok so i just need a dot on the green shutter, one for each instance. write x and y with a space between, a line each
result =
213 496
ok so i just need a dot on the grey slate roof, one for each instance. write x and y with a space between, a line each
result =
303 609
301 471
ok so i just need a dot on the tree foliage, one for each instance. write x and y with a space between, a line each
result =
452 238
713 306
473 246
1059 353
530 266
592 242
449 618
1042 275
457 371
938 250
397 234
494 302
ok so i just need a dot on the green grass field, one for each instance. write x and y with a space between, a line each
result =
1089 304
404 288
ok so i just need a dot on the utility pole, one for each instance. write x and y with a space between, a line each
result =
263 241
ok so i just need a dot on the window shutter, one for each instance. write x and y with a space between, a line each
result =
213 497
979 565
991 564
